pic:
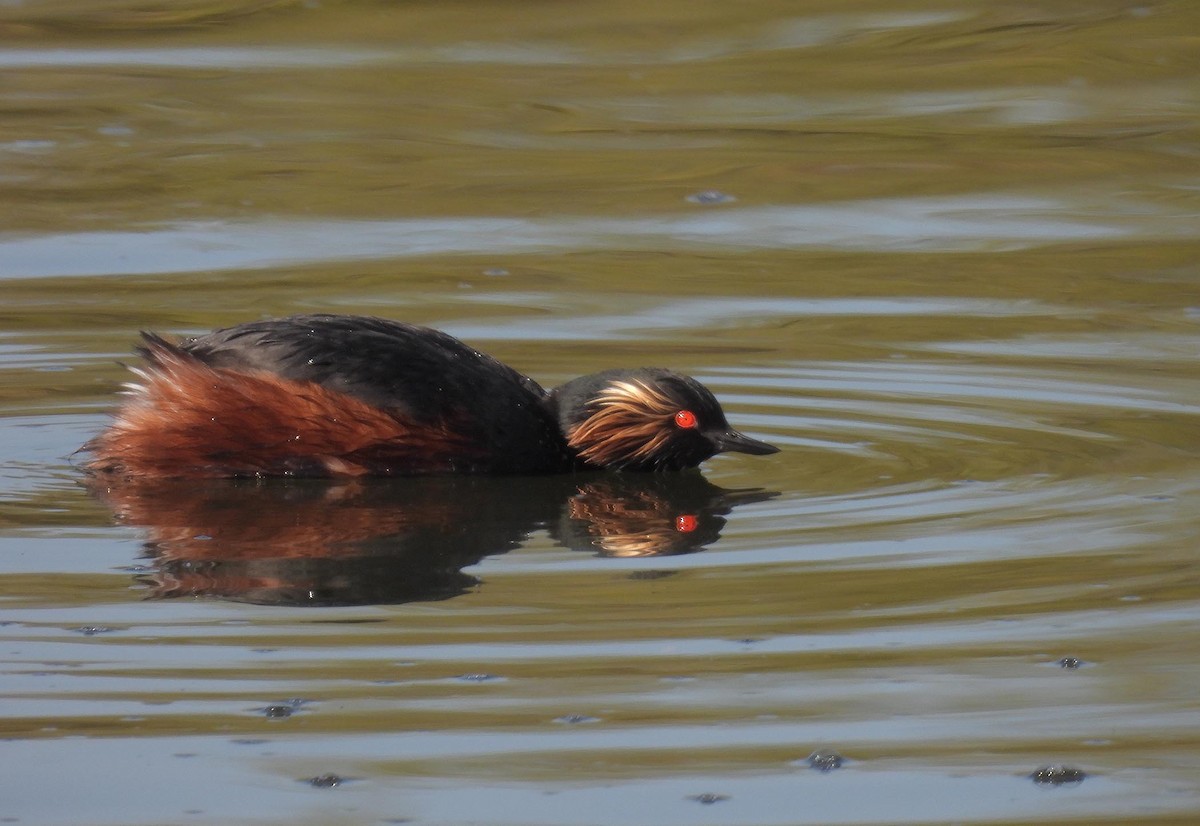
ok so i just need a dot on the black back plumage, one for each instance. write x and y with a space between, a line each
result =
426 376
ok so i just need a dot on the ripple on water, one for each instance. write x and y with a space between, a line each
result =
986 394
982 222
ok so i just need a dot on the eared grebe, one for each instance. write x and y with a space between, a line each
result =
338 395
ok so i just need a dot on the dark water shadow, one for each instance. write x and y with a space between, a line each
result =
386 541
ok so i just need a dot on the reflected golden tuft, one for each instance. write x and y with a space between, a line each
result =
643 524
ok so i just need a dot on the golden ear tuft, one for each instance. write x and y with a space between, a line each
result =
627 425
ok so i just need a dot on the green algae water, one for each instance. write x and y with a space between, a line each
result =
944 255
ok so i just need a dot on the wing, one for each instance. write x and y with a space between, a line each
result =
420 372
423 376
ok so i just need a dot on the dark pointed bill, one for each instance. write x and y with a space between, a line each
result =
731 440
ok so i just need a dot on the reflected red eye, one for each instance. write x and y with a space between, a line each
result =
685 418
686 523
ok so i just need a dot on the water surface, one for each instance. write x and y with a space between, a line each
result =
944 256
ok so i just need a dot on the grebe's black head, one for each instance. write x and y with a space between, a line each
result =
646 419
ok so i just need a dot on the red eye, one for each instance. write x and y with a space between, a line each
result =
685 419
686 523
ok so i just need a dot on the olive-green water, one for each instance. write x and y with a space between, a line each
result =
944 254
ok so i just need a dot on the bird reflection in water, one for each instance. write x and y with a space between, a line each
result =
385 541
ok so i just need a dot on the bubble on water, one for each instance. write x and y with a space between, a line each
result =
1057 775
711 196
824 760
